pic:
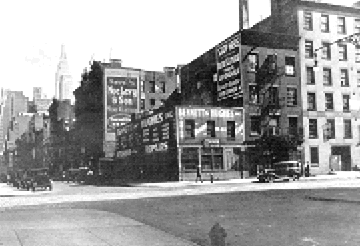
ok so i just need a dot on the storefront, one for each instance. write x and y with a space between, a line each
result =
171 143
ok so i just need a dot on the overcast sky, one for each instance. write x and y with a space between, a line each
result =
144 34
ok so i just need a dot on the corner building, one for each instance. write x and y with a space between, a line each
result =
331 125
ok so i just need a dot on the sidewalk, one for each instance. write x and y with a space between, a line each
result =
335 176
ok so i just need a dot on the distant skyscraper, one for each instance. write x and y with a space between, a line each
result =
63 80
37 93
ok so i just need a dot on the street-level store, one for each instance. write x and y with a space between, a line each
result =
171 143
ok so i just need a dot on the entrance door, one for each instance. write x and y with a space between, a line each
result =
345 153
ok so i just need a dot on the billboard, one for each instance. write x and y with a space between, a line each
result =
122 100
228 68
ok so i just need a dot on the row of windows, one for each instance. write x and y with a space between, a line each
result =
329 102
328 78
210 129
152 102
291 99
255 125
325 23
153 87
253 59
329 129
326 51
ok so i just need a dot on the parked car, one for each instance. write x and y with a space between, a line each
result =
267 176
42 181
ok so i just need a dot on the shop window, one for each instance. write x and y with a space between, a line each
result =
329 102
313 131
189 128
347 129
190 158
308 21
212 159
210 128
325 26
341 25
290 66
346 103
314 156
230 129
327 76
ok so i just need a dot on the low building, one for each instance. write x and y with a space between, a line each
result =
170 143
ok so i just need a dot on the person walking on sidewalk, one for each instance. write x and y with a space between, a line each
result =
198 174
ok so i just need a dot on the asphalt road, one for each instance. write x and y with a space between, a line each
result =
298 213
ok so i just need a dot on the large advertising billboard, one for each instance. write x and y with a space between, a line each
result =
122 98
228 68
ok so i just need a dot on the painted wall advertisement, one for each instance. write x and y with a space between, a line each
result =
122 100
228 69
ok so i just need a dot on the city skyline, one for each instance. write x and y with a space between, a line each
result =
149 40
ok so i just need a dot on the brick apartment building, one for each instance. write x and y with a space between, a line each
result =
331 127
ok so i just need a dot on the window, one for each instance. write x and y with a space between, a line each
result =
313 132
253 94
142 84
152 86
210 128
152 102
344 77
346 103
357 53
311 98
189 128
293 125
342 52
327 76
309 49
291 96
230 130
162 87
326 51
142 105
162 101
255 125
358 78
325 23
290 66
314 155
331 127
190 158
329 101
341 25
347 129
310 75
253 62
273 95
357 26
308 21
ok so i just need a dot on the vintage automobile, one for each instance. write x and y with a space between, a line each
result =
281 171
40 181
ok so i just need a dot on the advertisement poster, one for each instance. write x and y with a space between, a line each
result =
228 68
122 98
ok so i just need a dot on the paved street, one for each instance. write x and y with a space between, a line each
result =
183 213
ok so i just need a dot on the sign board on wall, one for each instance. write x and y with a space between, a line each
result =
228 68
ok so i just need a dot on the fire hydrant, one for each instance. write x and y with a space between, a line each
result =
217 235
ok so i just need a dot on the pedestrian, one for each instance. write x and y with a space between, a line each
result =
198 175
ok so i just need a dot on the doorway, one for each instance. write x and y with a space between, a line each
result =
345 153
